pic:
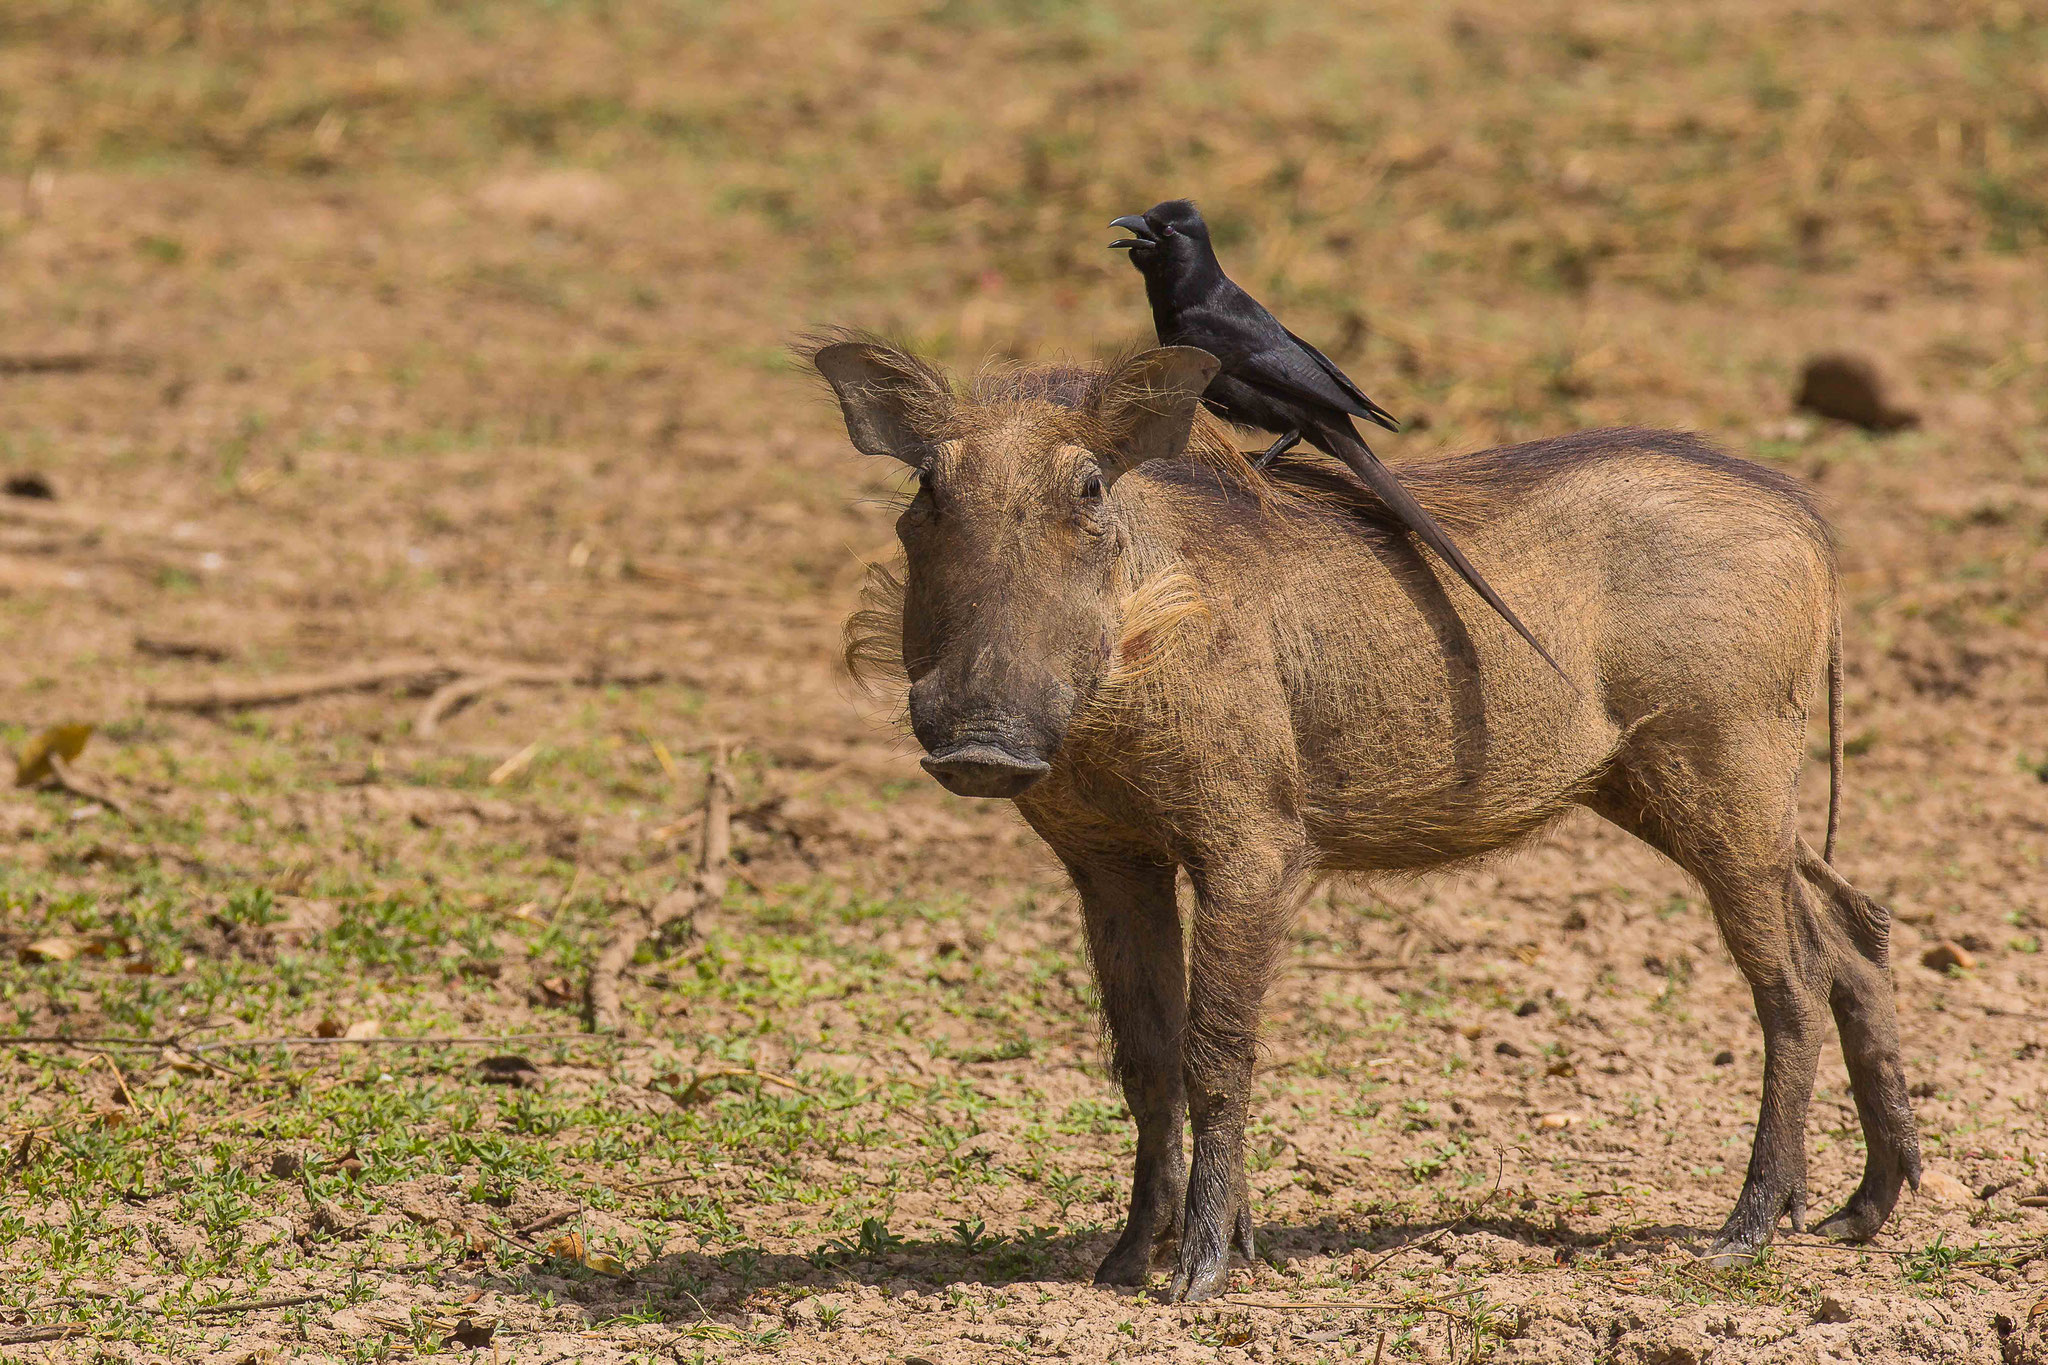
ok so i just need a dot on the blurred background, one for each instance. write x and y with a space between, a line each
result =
341 331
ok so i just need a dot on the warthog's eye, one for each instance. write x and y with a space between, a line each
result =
1091 487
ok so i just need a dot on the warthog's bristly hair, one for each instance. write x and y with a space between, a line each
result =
873 638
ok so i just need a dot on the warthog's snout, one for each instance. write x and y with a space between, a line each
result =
985 770
990 717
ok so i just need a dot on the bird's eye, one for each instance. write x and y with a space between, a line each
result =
1169 231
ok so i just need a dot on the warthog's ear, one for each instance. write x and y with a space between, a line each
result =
1149 404
890 400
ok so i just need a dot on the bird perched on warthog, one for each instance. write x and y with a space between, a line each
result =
1270 378
1171 663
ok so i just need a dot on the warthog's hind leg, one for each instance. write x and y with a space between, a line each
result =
1717 800
1869 1025
1134 940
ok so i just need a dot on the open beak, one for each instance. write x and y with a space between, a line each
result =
1142 231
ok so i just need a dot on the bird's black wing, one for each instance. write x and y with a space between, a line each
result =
1284 370
1366 408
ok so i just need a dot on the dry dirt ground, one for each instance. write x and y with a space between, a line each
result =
376 330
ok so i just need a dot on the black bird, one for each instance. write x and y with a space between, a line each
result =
1271 379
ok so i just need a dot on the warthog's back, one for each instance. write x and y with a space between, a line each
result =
1667 577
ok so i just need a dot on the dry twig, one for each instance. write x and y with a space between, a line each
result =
1471 1212
457 693
705 893
257 1305
1415 1306
553 1220
459 681
90 1042
72 1329
691 1093
42 1334
64 779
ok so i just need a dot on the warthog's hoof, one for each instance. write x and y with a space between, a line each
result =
1128 1263
1856 1221
1131 1260
1202 1273
1726 1255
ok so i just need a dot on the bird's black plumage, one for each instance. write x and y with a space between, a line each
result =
1270 378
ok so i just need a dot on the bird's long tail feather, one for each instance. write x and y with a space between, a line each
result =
1380 479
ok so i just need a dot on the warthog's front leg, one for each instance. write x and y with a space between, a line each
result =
1134 940
1239 921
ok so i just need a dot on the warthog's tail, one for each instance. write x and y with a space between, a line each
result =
1834 734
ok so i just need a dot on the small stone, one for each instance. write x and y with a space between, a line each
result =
1507 1049
1849 389
1527 1008
1835 1307
1943 1188
1946 954
1724 1058
509 1069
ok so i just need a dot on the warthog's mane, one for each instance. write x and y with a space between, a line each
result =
1160 596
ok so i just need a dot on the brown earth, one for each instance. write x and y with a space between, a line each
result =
361 331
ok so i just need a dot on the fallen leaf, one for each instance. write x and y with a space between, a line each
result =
1555 1122
364 1028
32 764
328 1027
51 950
570 1246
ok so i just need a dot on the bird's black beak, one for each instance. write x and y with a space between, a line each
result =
1132 223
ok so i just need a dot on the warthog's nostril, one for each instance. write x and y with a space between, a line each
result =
984 770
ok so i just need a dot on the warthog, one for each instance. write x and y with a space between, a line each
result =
1170 663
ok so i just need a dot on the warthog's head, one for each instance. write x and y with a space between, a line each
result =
1014 598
